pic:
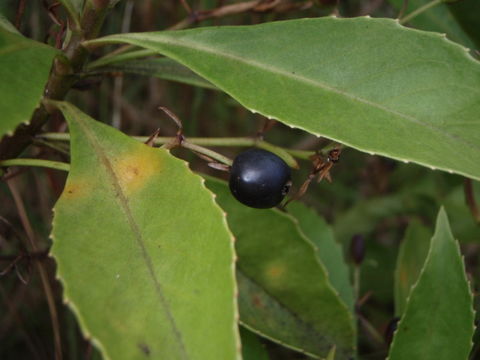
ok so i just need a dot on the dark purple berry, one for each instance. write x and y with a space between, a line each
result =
259 179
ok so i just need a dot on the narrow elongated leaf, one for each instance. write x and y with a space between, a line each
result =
438 319
24 69
163 68
143 251
281 263
369 83
410 261
328 250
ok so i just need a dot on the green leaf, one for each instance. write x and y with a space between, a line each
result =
265 315
410 261
438 319
284 291
252 348
163 68
331 354
24 69
329 251
143 251
439 19
368 83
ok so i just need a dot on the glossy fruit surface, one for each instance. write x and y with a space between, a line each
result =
259 179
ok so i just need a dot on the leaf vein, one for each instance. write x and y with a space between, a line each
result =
182 43
125 206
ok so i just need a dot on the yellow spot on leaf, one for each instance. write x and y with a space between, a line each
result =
75 189
135 169
275 273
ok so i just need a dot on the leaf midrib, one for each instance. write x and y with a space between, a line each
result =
449 244
124 205
327 338
186 44
444 239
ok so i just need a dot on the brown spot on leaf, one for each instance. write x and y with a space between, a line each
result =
274 273
75 189
257 301
144 348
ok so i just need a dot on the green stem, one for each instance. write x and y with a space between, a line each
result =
420 10
36 162
376 336
210 153
279 151
115 58
54 146
356 282
222 141
301 154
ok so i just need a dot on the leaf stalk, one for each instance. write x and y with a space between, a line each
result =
36 162
202 141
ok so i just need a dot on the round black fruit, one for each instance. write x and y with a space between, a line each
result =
259 179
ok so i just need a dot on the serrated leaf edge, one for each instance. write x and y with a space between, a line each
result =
322 267
11 131
414 286
442 37
337 245
71 304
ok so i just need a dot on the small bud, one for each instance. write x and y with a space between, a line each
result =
357 249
